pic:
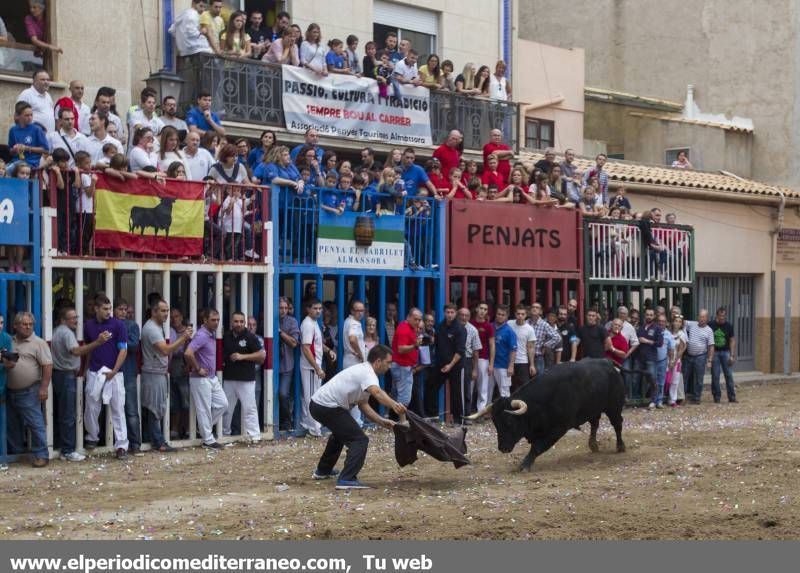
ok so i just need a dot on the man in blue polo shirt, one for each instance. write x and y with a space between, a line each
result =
104 380
505 351
413 175
201 119
26 140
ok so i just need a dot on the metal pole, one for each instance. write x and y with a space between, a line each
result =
787 326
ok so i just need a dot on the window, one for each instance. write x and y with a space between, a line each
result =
539 133
672 154
17 54
416 25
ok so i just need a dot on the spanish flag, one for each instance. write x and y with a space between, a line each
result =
144 216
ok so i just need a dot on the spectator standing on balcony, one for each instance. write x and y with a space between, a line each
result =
449 153
413 175
311 372
169 109
570 177
483 81
391 48
206 391
592 337
448 79
431 73
501 151
28 380
546 165
26 140
289 333
657 250
282 22
201 119
283 50
336 59
155 365
67 137
130 372
352 57
724 355
38 96
369 63
383 74
682 161
104 379
235 41
465 81
242 352
212 25
312 140
590 204
499 88
36 28
312 53
188 37
405 71
197 159
75 101
601 174
103 102
620 200
260 35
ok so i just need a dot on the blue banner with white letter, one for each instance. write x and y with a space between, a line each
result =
14 216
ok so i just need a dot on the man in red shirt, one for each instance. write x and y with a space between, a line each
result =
502 151
449 153
405 355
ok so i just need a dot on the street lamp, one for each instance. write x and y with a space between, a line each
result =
166 84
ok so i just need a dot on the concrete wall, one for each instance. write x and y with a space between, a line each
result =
740 55
468 29
563 70
734 238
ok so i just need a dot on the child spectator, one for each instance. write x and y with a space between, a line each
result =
331 180
476 188
448 82
352 56
383 73
109 150
66 199
85 208
491 176
346 192
457 189
26 140
333 202
390 190
335 59
516 181
541 194
620 200
233 214
469 170
590 204
369 63
118 167
2 169
434 169
176 170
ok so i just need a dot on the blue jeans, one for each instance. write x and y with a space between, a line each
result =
132 408
721 360
402 381
538 362
65 393
632 390
286 404
25 411
660 378
694 369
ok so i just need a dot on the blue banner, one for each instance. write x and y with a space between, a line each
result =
14 215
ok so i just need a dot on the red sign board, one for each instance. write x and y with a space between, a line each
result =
505 236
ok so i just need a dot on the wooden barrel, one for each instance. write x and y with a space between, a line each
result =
364 230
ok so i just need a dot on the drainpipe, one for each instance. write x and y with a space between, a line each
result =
505 35
168 12
773 351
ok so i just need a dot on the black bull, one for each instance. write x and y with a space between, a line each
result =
564 397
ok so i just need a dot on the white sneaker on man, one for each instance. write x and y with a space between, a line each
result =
73 457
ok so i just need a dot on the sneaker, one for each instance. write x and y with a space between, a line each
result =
166 448
659 407
213 446
40 462
330 475
122 454
652 405
351 484
89 445
734 401
250 254
73 457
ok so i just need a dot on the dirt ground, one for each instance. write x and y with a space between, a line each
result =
697 472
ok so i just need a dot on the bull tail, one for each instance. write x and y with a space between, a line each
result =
648 376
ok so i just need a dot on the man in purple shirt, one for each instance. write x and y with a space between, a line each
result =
104 381
209 399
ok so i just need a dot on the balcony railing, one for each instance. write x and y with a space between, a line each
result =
250 91
298 226
614 252
227 238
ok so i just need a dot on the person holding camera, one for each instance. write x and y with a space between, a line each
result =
30 368
405 353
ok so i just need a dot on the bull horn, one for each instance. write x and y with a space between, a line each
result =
519 408
480 414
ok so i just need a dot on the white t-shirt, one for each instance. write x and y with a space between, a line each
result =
311 334
96 147
347 388
405 71
42 106
169 158
86 203
139 159
199 164
497 88
77 142
352 327
525 334
232 222
313 55
138 118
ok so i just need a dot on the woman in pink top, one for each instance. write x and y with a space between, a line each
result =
36 28
278 54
